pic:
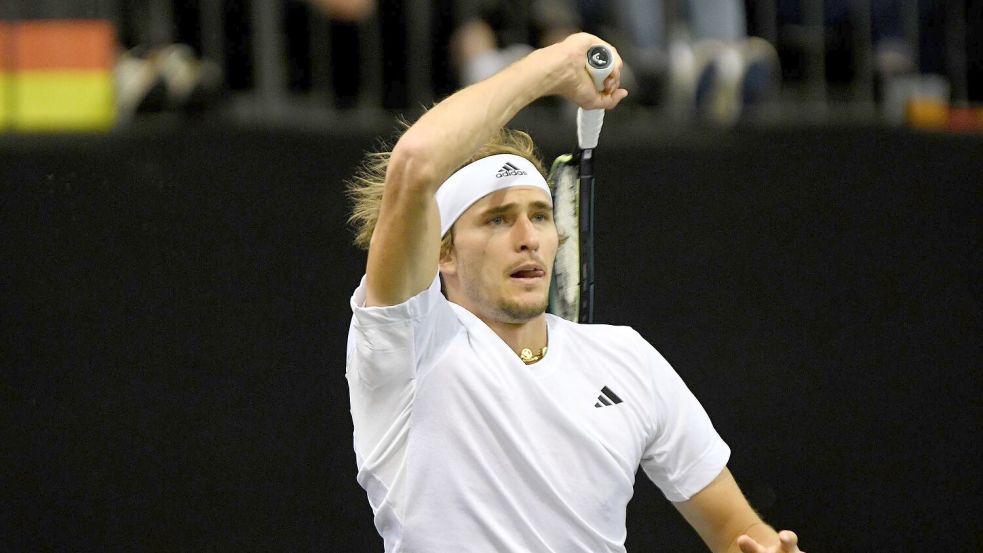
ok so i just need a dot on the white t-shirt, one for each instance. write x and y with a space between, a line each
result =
463 448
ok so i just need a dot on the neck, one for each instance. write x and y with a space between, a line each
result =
530 334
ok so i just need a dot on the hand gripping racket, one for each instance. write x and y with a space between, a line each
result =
572 181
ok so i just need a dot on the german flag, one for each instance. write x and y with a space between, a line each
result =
60 74
6 106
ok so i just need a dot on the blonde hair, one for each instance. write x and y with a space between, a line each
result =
367 184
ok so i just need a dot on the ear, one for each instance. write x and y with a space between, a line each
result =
448 262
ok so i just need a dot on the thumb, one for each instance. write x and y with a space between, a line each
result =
748 545
615 98
789 541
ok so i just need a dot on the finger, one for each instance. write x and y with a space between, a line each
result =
789 541
616 98
748 545
615 77
613 82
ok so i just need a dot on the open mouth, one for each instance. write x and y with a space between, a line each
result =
529 274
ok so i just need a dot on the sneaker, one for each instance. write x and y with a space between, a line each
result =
192 84
735 78
140 87
761 81
718 67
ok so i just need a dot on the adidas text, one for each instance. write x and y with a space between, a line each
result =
509 170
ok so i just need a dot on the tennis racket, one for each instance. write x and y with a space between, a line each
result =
572 182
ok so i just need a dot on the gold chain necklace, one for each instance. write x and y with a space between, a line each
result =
527 356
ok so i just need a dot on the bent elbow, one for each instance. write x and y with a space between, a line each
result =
411 169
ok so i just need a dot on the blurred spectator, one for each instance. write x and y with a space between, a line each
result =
168 78
340 23
709 67
892 53
695 56
162 69
345 10
502 32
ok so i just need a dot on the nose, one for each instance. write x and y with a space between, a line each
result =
526 234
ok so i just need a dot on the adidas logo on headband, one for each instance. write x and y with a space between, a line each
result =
509 170
473 181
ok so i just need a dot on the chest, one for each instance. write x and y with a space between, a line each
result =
574 411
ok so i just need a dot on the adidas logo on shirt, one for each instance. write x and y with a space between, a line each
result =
509 170
607 398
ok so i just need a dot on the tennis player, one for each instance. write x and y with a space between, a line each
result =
483 424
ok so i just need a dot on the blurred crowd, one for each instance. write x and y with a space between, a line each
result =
702 60
694 57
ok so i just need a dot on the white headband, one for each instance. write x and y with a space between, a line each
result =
476 180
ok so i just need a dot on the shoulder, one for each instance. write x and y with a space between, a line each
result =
610 335
400 339
413 308
617 345
419 318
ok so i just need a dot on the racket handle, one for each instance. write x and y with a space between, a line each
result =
589 121
599 64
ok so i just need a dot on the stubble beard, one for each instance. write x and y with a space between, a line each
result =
514 312
506 310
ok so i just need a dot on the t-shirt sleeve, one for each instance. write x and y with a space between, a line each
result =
685 453
393 342
388 349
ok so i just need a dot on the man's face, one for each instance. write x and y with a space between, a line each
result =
504 247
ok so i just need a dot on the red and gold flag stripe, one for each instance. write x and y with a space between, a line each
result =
60 74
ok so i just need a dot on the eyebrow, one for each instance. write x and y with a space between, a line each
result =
506 208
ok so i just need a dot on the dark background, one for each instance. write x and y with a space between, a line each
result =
174 313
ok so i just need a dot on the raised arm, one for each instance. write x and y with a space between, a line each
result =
405 245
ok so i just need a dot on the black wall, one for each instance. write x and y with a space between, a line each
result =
174 312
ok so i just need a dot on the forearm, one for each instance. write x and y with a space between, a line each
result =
451 131
760 531
720 515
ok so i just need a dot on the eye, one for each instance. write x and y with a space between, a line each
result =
497 220
541 217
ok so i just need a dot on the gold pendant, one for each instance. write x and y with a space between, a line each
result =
527 356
